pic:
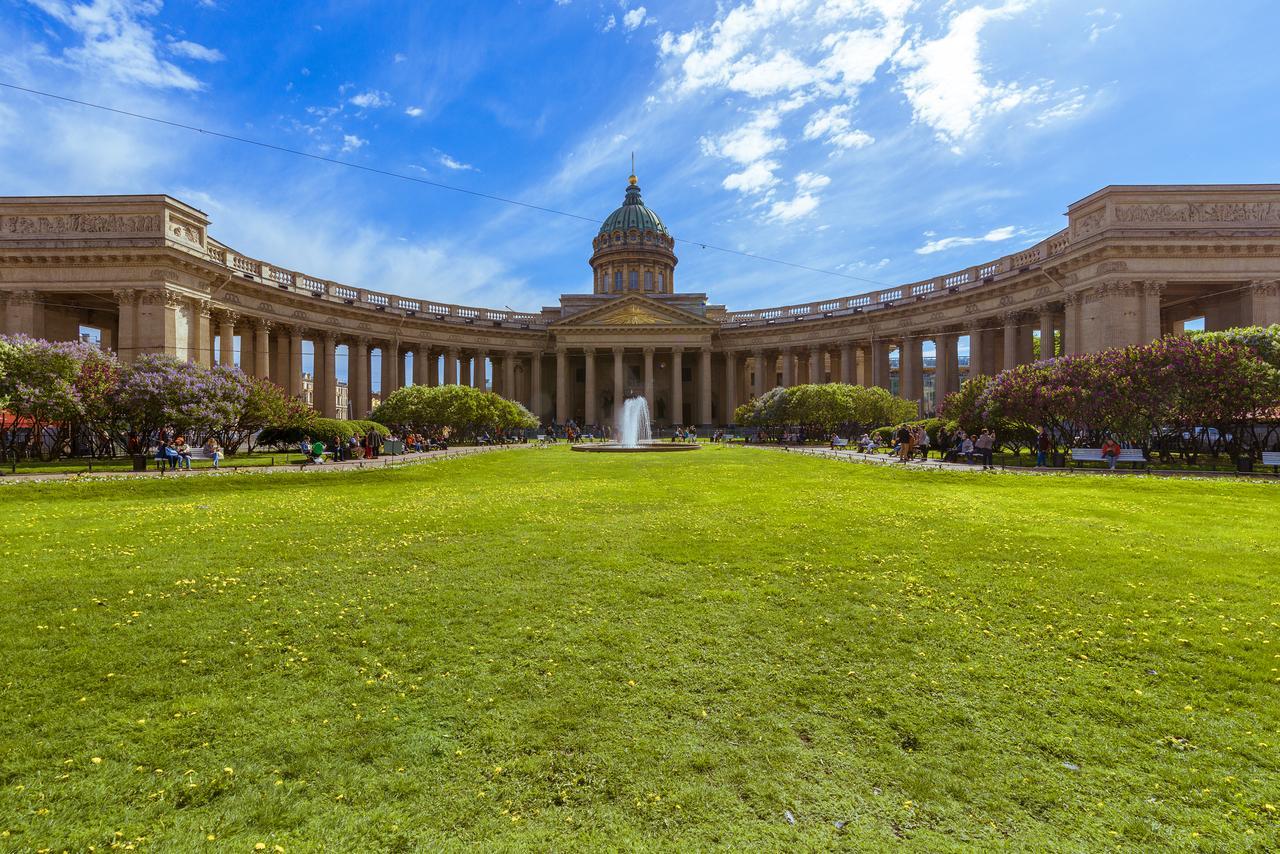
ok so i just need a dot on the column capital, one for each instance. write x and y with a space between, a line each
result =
147 297
296 330
222 315
1014 317
261 323
588 351
1260 287
619 351
676 349
649 351
126 296
203 307
358 340
1155 288
326 336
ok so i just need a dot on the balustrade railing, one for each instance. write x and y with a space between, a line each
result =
962 279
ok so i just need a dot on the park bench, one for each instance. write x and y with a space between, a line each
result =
1094 455
1271 458
839 443
199 453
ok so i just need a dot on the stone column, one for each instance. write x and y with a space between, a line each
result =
227 339
881 371
677 386
815 366
562 386
977 356
509 376
127 335
1047 350
911 370
704 387
280 357
390 350
1122 314
788 368
1262 299
648 379
730 398
200 336
262 349
535 384
944 348
619 393
294 380
1071 341
421 365
157 320
432 358
846 364
589 404
1011 320
1152 292
1026 339
326 382
760 387
478 371
358 377
450 366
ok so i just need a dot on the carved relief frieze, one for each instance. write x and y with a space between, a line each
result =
1113 267
1090 222
1267 213
81 224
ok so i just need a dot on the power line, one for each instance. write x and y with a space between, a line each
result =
403 177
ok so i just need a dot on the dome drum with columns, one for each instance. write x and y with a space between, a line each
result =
143 275
634 252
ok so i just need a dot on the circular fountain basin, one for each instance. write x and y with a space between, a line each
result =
656 446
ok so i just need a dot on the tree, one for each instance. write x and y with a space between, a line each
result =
263 404
452 410
158 391
38 387
825 408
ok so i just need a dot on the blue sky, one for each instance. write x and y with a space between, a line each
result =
885 139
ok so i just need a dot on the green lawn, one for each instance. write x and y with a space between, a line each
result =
558 651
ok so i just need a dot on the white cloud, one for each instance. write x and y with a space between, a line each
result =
634 18
756 178
191 50
801 206
116 42
413 111
371 99
944 78
811 181
833 125
996 235
398 58
609 24
458 166
351 142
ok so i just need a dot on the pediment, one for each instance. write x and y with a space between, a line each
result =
633 311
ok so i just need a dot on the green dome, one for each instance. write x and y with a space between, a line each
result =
633 214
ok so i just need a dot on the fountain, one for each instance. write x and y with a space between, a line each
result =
634 435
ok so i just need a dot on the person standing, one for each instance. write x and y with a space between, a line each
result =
984 446
1043 445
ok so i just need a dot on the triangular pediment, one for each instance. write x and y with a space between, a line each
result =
633 311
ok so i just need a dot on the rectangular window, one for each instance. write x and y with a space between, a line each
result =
617 281
662 282
634 280
648 280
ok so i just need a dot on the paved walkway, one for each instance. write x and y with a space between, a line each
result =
939 465
283 468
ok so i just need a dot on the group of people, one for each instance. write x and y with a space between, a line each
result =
423 443
358 446
173 452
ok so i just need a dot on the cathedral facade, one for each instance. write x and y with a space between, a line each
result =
144 274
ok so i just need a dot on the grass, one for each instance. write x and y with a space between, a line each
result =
559 651
125 464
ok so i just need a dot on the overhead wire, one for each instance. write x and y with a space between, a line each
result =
440 185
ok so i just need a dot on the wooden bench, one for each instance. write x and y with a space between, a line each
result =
839 443
1271 458
1094 455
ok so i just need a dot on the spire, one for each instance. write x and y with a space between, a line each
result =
632 179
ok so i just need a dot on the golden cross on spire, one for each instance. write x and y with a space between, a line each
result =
632 179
